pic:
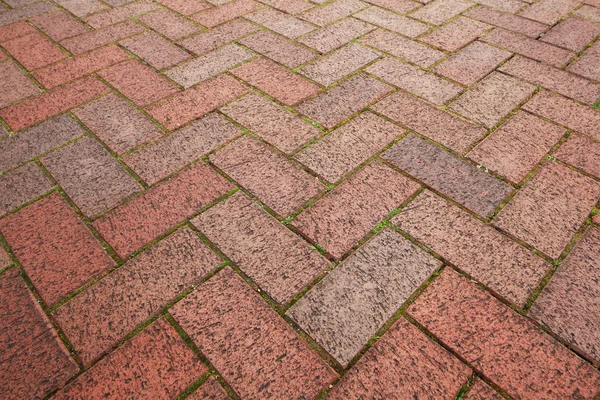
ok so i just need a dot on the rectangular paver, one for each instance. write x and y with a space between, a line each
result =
581 152
278 48
93 40
226 12
22 185
508 21
170 24
280 22
336 35
34 51
549 11
14 84
217 37
439 11
392 21
456 34
333 11
155 50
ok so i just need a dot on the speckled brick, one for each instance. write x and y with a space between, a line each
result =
156 51
383 274
508 21
582 153
549 11
20 186
333 11
55 248
119 14
15 30
34 51
346 214
252 347
280 22
506 347
169 24
456 34
25 12
196 102
275 258
276 181
14 84
36 362
517 146
482 391
573 33
391 21
165 156
136 223
58 25
589 12
399 6
343 100
588 65
101 316
278 48
81 8
217 37
271 122
403 364
511 6
492 99
439 11
344 149
228 11
276 81
550 208
473 246
448 174
336 35
185 7
93 40
5 259
288 6
209 390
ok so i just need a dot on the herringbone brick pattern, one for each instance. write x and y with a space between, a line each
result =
299 199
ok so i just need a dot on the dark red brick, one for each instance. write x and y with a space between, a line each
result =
34 51
59 25
169 24
93 40
14 84
508 21
217 37
156 51
22 185
278 48
456 34
581 152
228 11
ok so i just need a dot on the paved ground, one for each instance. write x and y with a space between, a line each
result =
279 199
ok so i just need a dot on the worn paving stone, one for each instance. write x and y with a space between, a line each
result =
226 12
5 259
393 22
549 11
336 35
582 153
508 21
399 6
82 8
588 65
169 24
95 39
511 6
573 33
14 84
15 30
333 11
34 51
252 347
383 274
504 346
22 185
482 391
345 215
25 12
589 12
550 208
156 51
119 14
185 7
456 34
439 11
289 6
217 37
278 48
280 22
59 25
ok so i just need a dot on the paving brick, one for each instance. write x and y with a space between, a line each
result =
20 186
271 122
346 214
448 174
504 346
456 34
101 316
508 21
333 11
383 273
165 156
268 360
399 6
403 364
414 80
169 24
511 6
25 12
278 49
33 51
588 65
209 390
289 6
59 25
156 51
136 223
14 84
581 152
217 37
280 22
492 99
197 101
550 208
485 254
438 125
15 30
573 33
53 102
36 361
279 261
156 363
549 11
342 101
275 180
228 11
185 7
93 40
589 12
439 11
482 391
5 259
119 14
55 248
81 8
393 22
336 35
347 147
78 67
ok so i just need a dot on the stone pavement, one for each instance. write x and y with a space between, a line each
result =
286 199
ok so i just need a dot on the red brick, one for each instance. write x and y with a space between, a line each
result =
508 21
279 261
482 391
271 122
156 51
166 155
115 15
15 30
278 48
573 33
504 346
343 100
134 224
393 22
429 121
275 180
581 152
93 40
81 8
346 214
456 34
36 363
399 6
100 317
252 347
343 321
169 24
289 6
217 37
196 102
280 22
25 12
511 6
20 186
517 146
448 174
336 35
209 390
492 99
550 208
228 11
48 104
549 11
185 7
34 51
14 84
474 247
439 11
588 65
85 64
54 247
333 11
59 25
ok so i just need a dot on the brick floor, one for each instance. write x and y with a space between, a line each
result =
299 199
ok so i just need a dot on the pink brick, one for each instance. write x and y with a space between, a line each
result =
508 21
392 21
549 11
119 14
93 40
58 25
34 51
504 346
511 6
333 11
25 12
81 8
139 221
14 84
216 37
439 11
185 7
573 33
54 247
399 6
289 6
336 35
101 316
280 22
275 180
582 153
456 34
268 360
588 65
156 51
20 186
169 24
15 30
228 11
589 12
278 48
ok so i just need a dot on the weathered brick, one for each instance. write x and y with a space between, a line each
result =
456 34
280 22
20 186
156 51
439 11
34 51
81 8
383 274
588 65
399 6
393 22
15 30
504 346
228 11
482 391
279 261
14 84
209 390
333 11
169 24
550 208
93 40
5 259
54 247
448 174
589 12
268 359
511 6
278 49
549 11
119 14
517 146
136 223
288 6
25 12
58 25
336 35
346 214
36 362
573 33
508 21
217 37
581 152
185 7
